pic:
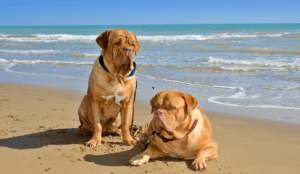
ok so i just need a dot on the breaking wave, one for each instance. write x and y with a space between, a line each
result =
7 68
188 83
156 38
241 95
48 38
202 37
29 51
255 50
18 61
87 55
258 62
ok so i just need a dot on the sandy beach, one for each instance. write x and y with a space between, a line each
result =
38 134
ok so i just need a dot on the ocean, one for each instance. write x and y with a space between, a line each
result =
242 65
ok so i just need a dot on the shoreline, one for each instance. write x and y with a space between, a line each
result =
144 105
39 134
145 93
207 95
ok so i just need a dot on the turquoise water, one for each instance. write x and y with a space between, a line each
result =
245 65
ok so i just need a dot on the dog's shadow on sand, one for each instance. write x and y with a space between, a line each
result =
40 139
113 159
122 159
70 136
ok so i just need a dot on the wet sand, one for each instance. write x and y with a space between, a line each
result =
38 134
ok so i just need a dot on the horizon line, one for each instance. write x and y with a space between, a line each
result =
139 24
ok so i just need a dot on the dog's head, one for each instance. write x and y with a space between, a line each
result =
172 113
118 48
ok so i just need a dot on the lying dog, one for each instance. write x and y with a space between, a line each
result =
179 128
111 86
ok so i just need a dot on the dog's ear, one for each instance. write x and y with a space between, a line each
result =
191 102
152 103
102 39
137 45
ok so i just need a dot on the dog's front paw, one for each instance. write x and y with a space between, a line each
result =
139 160
94 142
199 164
130 141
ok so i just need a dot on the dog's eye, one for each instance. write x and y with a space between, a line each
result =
118 42
172 108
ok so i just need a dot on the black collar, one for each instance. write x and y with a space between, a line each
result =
153 134
105 68
163 138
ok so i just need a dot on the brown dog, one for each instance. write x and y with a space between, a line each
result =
108 102
179 128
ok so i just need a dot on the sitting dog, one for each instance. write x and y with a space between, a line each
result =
179 128
111 87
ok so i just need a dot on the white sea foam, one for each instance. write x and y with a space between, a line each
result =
3 60
49 38
214 100
241 95
188 83
7 68
257 62
157 38
91 55
245 68
238 68
30 51
87 55
272 35
67 37
174 81
255 50
18 61
201 37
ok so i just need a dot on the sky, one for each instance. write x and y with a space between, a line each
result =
135 12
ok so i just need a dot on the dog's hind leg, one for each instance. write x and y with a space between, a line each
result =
85 127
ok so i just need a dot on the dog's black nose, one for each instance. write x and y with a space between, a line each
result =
127 49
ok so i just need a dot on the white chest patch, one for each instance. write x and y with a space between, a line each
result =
174 156
118 98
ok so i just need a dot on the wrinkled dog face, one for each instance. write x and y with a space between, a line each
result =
171 113
119 47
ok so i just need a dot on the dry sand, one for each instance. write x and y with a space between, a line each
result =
38 134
